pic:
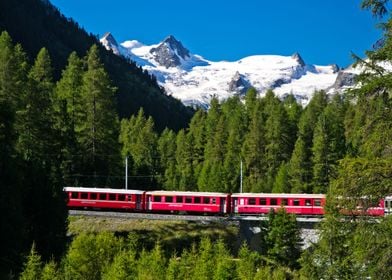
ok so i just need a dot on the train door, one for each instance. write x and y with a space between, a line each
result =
223 205
235 205
388 205
139 202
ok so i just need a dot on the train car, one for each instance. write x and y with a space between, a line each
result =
262 203
188 202
105 198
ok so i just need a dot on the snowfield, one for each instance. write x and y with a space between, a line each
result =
195 80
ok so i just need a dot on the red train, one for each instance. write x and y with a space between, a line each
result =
204 202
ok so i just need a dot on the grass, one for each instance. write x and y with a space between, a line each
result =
174 235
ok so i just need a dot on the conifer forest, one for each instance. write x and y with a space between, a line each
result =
63 123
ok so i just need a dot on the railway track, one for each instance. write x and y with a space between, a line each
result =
174 217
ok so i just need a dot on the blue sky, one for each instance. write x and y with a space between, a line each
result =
323 32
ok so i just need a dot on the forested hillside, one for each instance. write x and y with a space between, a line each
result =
60 127
37 24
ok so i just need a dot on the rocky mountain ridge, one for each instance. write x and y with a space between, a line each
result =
195 80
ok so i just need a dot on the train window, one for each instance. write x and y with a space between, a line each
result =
129 197
93 196
102 196
188 199
157 198
84 195
197 200
308 202
112 196
296 202
169 199
284 201
74 195
213 201
273 201
206 200
263 201
317 202
252 201
121 197
179 199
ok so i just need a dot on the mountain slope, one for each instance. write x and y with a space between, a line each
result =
36 24
195 80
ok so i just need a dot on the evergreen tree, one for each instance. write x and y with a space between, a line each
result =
300 169
51 272
33 266
167 152
44 202
283 239
211 175
278 145
205 262
224 267
294 111
247 264
328 144
12 76
140 143
184 159
69 112
253 153
90 255
197 135
281 184
98 131
236 126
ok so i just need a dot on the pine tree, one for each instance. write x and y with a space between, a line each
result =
283 239
167 152
184 159
51 272
247 264
98 130
253 153
236 126
44 204
278 146
300 169
281 184
328 144
12 77
69 112
33 266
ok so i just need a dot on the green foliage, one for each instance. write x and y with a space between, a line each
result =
89 255
98 130
140 143
283 239
33 266
247 263
50 271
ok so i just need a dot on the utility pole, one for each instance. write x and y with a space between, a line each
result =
126 172
241 176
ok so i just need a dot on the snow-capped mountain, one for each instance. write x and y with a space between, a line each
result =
195 80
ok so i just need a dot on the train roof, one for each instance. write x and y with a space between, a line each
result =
185 193
279 195
102 190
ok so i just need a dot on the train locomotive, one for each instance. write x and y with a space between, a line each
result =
204 203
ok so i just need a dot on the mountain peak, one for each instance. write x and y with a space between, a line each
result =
297 57
110 43
170 52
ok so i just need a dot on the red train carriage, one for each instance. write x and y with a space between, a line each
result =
190 202
261 203
102 198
